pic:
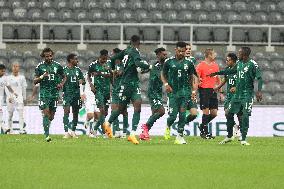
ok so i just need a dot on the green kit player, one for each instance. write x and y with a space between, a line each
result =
176 79
72 91
155 93
101 87
117 75
50 75
241 103
129 85
231 83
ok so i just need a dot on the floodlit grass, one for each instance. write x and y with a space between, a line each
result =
27 161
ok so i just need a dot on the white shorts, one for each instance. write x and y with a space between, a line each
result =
14 106
91 105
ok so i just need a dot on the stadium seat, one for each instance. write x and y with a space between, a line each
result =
221 34
281 6
269 6
240 6
35 15
6 14
186 17
264 64
76 4
203 34
3 4
113 15
274 87
210 5
259 56
66 15
51 15
30 63
180 5
126 16
279 98
129 31
32 4
151 5
106 4
20 14
216 18
120 4
278 65
61 4
199 56
275 56
169 34
268 76
151 33
239 34
275 18
81 15
96 15
92 4
156 16
95 32
267 98
135 4
254 6
256 35
280 77
15 4
142 16
260 18
224 6
247 18
47 4
195 5
184 33
232 17
167 5
202 17
113 32
170 16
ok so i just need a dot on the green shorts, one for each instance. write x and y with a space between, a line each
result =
226 103
156 103
48 103
243 105
191 104
102 99
129 93
74 102
115 96
175 103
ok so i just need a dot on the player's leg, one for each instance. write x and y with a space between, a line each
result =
20 110
191 105
213 107
10 109
204 106
173 109
247 108
1 120
44 106
66 109
125 122
182 118
75 110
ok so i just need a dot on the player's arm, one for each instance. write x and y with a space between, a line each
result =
117 57
164 78
34 92
63 76
24 84
258 76
226 71
89 79
140 63
38 78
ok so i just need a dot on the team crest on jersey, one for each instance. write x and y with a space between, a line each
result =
185 67
245 69
55 69
77 74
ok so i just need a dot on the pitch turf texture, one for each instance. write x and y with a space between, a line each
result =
27 161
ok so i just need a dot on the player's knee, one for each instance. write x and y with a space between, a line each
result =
162 112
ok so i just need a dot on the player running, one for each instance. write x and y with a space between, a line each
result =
50 75
175 76
18 83
72 92
129 86
247 71
155 93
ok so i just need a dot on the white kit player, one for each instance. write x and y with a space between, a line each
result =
91 108
4 83
19 85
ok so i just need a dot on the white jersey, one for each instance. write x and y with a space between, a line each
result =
3 85
87 91
19 85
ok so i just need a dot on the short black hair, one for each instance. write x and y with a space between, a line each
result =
71 56
135 38
116 50
246 51
158 50
233 56
103 52
2 67
181 44
47 49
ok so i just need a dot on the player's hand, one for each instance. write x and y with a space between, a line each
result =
30 98
59 86
211 75
193 96
83 97
233 89
221 97
169 89
216 89
11 100
93 89
258 96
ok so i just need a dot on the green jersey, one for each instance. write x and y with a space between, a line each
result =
192 59
178 73
101 82
118 77
72 85
246 73
131 60
48 85
155 87
231 82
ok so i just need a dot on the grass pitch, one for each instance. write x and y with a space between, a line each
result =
27 161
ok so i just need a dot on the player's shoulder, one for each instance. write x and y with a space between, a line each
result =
56 63
40 64
254 63
169 59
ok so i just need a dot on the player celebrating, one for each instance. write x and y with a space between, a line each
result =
155 93
72 91
50 75
129 85
207 95
175 76
101 86
231 82
18 83
117 75
247 70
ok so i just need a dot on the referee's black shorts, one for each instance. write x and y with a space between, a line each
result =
208 98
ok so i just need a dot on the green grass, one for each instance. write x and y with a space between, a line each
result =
27 161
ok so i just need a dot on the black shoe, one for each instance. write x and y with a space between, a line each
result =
7 131
209 136
48 139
